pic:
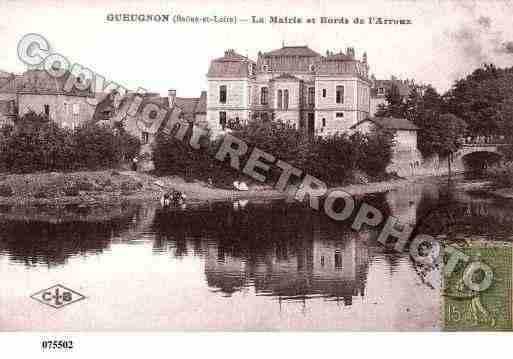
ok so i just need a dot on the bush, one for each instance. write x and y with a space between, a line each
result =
333 159
376 153
71 189
501 177
6 190
36 144
177 157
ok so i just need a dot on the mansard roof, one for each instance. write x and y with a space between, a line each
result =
231 64
303 51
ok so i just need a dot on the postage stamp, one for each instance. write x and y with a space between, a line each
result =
466 308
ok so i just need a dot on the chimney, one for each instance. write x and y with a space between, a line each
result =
171 94
229 52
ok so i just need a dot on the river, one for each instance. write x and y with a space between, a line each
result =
237 266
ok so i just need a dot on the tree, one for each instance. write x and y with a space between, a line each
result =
423 107
481 100
395 106
440 131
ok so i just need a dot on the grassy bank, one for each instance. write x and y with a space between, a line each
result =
112 187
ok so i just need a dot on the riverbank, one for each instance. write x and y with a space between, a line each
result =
506 193
114 187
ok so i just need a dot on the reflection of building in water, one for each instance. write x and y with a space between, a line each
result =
294 269
225 273
340 268
403 203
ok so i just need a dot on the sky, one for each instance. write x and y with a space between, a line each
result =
446 40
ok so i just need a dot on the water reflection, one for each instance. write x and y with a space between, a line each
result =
279 250
275 251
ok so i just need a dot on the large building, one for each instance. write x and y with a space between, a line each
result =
36 90
318 94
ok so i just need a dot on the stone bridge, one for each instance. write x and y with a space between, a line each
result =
478 155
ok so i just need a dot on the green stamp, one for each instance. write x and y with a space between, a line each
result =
477 288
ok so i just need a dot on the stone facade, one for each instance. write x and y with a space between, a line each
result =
406 157
319 95
36 90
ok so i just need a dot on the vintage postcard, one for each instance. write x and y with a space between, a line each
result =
255 166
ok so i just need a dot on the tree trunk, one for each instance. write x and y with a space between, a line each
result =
449 163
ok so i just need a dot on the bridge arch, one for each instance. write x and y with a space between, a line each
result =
480 160
475 157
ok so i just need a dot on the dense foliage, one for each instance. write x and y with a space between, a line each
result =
440 132
37 144
334 159
484 100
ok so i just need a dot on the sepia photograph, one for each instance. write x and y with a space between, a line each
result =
236 166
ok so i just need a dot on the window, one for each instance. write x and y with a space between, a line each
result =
280 99
222 94
340 94
264 95
338 260
323 122
323 92
265 117
47 110
222 119
381 90
339 115
311 95
286 99
145 137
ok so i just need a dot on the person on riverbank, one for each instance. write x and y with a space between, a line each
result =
173 198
